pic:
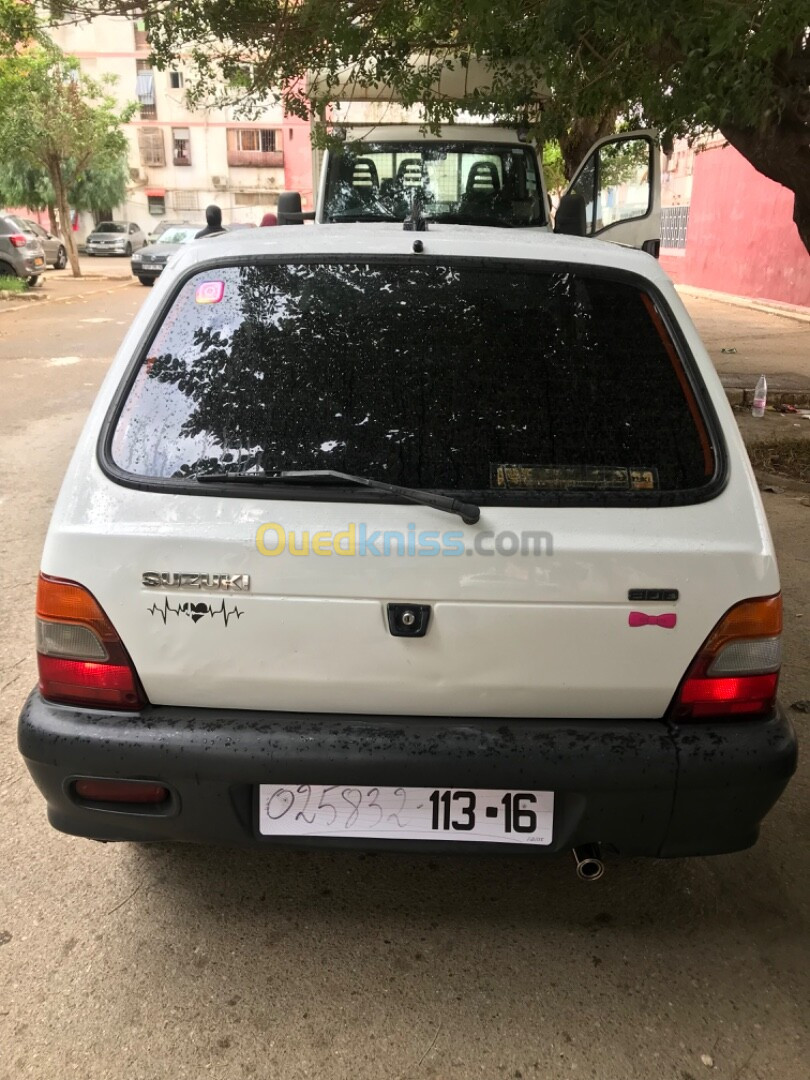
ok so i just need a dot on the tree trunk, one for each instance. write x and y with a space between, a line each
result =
583 133
781 153
64 220
52 218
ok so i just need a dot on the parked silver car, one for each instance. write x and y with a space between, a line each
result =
155 233
21 253
115 238
147 265
52 243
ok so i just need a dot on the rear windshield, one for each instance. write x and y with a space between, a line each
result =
111 226
460 183
505 380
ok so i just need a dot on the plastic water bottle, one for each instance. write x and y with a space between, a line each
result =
760 395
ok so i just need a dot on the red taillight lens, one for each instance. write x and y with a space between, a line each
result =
18 239
120 791
736 672
744 694
81 658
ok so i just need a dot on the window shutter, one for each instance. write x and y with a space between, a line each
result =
150 145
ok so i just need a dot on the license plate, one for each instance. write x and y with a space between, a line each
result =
407 813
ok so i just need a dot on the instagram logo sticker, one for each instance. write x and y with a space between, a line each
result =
210 292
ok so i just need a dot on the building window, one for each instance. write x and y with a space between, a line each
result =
181 146
141 38
255 140
156 205
176 80
150 145
145 89
674 223
185 200
255 146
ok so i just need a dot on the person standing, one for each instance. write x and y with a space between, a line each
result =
213 217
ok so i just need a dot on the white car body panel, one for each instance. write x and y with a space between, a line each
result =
528 636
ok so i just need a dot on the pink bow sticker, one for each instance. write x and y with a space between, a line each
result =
638 618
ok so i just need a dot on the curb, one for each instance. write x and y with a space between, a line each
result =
101 277
67 299
769 307
799 398
787 483
23 296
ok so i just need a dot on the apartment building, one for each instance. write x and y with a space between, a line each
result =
179 160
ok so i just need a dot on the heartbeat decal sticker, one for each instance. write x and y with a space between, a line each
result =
195 612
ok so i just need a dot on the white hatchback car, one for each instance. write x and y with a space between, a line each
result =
413 540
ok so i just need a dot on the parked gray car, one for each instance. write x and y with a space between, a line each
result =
115 238
52 243
149 263
154 234
21 253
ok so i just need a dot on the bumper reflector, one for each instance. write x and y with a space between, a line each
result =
120 791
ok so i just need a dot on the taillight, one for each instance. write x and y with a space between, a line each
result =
18 239
736 672
81 658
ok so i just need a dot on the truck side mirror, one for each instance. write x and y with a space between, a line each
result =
289 208
570 216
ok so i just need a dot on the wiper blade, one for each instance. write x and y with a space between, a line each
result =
467 511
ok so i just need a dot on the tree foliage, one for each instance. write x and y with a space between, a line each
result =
740 66
101 187
55 120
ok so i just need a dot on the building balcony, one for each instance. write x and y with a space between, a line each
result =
256 159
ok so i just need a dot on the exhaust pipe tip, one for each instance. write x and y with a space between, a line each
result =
589 862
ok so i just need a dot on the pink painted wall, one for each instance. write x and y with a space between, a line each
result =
40 216
741 238
298 160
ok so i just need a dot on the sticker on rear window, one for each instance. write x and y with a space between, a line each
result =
573 478
210 292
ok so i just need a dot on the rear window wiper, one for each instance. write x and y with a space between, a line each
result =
467 511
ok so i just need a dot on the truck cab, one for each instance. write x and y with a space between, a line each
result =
475 174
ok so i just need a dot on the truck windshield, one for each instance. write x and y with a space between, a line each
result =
460 183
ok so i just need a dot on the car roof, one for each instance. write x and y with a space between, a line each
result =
477 241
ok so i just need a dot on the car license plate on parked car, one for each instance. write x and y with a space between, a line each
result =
407 813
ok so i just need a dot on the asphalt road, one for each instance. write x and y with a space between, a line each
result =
145 963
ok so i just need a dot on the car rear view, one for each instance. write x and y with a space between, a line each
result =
21 253
443 543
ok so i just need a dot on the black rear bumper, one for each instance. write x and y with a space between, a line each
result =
636 787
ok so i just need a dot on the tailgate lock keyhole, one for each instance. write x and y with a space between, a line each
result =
408 620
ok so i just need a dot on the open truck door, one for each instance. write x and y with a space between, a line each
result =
619 183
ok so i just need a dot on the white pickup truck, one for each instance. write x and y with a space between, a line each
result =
474 174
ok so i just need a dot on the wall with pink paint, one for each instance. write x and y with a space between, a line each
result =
741 238
298 159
